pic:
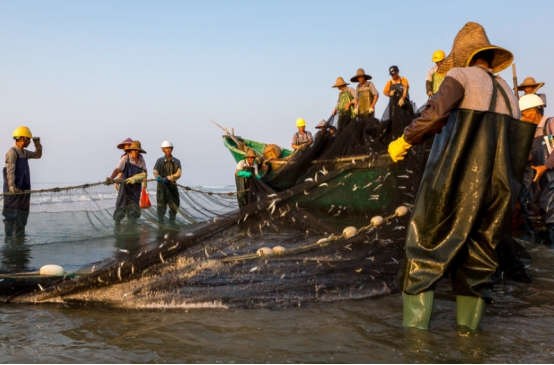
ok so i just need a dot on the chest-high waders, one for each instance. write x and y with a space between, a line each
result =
400 116
128 196
167 194
345 116
300 143
365 99
243 184
463 209
544 190
436 82
16 207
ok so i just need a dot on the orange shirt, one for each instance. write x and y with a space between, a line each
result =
403 80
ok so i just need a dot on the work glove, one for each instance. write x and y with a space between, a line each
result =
136 178
244 174
398 148
401 101
258 177
371 110
130 181
429 93
167 181
116 186
14 190
391 93
160 179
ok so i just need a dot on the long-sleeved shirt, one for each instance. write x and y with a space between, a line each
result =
13 154
549 123
402 80
464 88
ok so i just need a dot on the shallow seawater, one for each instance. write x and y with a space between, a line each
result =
518 328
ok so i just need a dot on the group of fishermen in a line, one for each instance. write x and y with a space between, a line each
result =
129 178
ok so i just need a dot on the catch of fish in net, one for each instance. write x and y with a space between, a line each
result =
325 223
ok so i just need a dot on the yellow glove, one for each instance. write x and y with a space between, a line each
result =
370 110
398 148
136 178
14 190
429 93
401 101
391 93
130 180
116 186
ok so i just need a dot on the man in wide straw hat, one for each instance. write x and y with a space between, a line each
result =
366 95
530 86
133 170
471 181
345 103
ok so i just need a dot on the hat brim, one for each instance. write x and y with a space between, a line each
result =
502 58
339 85
135 149
537 86
355 78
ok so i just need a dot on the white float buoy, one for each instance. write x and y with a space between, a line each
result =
51 270
349 232
377 221
401 211
264 251
278 250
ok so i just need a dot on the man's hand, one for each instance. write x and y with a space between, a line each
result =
429 93
401 101
391 93
540 171
371 110
334 111
167 181
130 181
160 179
14 190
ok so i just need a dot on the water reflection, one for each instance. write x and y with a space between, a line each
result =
15 255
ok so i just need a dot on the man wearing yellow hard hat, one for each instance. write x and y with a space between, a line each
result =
438 58
303 137
17 179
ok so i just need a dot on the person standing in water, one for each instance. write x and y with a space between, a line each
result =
17 179
133 169
166 172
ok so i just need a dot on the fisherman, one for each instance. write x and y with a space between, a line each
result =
17 179
465 200
302 137
530 86
399 112
121 146
345 103
542 158
133 169
167 171
366 95
245 169
433 80
322 129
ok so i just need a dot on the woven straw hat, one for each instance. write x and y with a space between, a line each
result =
529 81
470 40
360 72
135 146
122 144
251 153
340 82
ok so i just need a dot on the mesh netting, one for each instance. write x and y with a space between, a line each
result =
288 245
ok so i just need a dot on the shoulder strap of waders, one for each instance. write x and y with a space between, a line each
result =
496 86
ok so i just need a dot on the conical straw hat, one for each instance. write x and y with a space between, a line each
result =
135 146
470 40
340 82
529 81
360 72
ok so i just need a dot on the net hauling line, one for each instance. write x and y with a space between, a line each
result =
137 266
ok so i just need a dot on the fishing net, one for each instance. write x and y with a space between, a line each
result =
328 225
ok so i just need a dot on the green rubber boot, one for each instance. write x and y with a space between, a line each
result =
469 311
417 309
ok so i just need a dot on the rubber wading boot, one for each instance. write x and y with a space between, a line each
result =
550 229
417 309
529 234
8 230
469 311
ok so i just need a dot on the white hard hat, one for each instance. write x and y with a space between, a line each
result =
167 144
530 101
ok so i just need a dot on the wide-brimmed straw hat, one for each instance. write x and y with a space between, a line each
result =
529 81
251 153
469 41
121 145
340 82
321 124
359 73
135 146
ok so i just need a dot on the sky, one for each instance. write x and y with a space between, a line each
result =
85 75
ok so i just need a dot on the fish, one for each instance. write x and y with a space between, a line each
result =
348 175
378 186
387 175
336 215
324 172
329 211
206 252
224 254
309 179
369 165
40 286
122 250
167 234
395 261
368 185
160 246
353 162
253 269
282 276
340 184
403 177
92 270
358 270
373 198
408 194
245 217
355 187
161 258
323 185
260 227
348 247
398 228
372 258
401 187
270 196
409 171
119 272
315 177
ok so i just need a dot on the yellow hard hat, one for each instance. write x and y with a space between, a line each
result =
300 122
22 132
438 56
